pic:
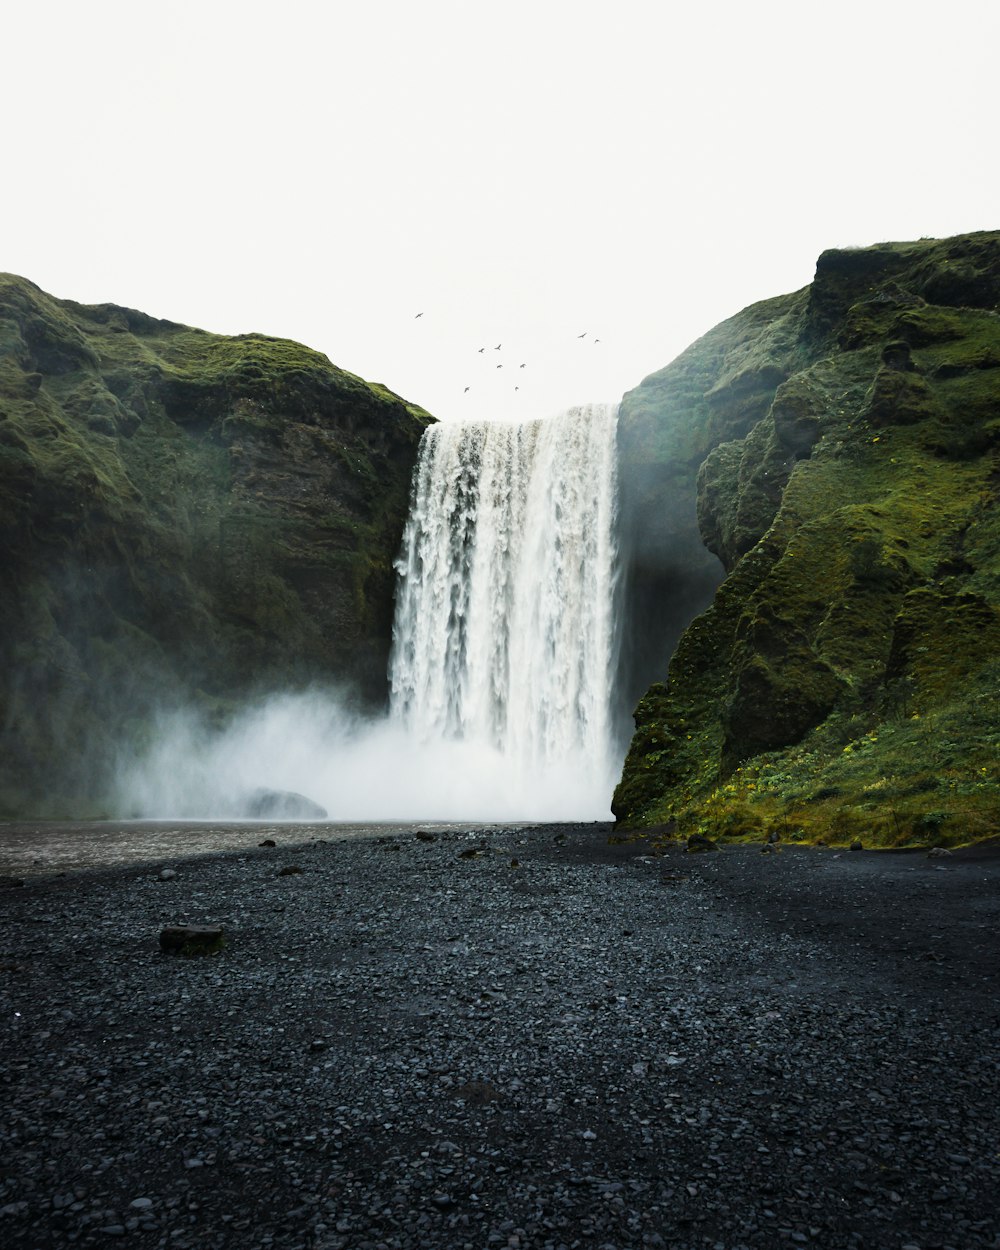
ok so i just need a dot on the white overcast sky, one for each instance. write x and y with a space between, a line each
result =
520 173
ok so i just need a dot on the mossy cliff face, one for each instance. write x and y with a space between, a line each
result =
841 449
716 392
181 514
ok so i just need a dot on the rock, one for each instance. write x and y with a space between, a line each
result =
268 842
478 1093
191 939
896 355
938 852
167 874
11 883
290 870
698 842
857 845
266 804
425 835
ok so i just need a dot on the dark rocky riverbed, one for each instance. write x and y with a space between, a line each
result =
522 1038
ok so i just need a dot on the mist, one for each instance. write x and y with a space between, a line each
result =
357 768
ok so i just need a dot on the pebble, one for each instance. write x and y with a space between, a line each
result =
427 1051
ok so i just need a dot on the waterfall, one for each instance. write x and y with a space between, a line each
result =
504 633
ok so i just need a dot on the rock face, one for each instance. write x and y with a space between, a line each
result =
181 515
840 451
711 396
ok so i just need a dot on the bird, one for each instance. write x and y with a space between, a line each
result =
499 366
597 340
520 366
465 390
517 388
583 335
498 346
418 315
482 349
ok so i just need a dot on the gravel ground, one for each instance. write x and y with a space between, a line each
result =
516 1038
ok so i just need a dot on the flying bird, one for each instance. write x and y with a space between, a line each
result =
466 389
482 349
499 366
520 366
418 315
583 335
498 346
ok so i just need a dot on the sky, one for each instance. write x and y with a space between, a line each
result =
579 189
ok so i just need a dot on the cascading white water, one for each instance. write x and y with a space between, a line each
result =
504 635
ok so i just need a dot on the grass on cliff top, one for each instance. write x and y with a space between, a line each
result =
246 360
911 780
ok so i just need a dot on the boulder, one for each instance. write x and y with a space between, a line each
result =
265 804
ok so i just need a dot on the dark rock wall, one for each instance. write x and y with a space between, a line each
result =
839 450
182 515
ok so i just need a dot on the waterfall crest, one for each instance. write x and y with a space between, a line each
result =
504 633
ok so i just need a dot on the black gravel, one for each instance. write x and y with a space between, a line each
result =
515 1038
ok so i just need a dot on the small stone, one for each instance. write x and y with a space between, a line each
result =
268 842
141 1204
589 1136
167 874
290 870
425 835
191 939
857 845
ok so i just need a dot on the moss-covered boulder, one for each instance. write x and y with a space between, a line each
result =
182 515
843 681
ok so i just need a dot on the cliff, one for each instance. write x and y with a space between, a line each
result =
183 515
839 451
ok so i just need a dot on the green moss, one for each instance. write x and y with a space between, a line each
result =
858 520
